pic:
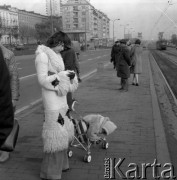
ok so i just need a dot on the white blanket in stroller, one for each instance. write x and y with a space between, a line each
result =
98 124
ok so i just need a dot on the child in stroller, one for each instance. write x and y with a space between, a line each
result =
89 130
98 125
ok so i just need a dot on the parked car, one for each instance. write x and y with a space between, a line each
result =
19 47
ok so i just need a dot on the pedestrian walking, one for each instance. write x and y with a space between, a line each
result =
136 62
9 58
71 63
6 107
122 61
55 83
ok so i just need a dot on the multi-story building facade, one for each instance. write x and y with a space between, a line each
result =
63 1
18 25
83 22
30 18
9 24
27 22
53 7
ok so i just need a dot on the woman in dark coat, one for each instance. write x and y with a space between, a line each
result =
71 63
122 59
6 107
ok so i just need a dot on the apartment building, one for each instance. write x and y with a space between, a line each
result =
9 24
83 22
13 21
63 1
27 22
30 18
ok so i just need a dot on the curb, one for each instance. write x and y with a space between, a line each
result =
38 101
162 151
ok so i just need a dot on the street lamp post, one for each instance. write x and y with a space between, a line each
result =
113 28
85 31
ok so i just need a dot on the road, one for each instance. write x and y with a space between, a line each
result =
30 91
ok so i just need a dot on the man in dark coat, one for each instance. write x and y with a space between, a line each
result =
123 62
6 107
115 46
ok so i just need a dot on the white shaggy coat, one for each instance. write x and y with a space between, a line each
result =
55 136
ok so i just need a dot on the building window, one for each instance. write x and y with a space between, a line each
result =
75 8
67 26
75 26
75 14
75 20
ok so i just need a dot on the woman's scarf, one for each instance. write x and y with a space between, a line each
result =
56 60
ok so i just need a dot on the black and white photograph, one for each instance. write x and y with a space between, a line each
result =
88 89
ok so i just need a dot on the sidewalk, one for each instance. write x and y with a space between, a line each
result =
135 139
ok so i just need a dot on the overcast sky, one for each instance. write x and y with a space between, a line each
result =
146 16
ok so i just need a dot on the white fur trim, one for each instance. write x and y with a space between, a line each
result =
55 140
65 84
55 136
70 128
56 60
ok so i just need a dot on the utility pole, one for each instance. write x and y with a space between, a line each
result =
51 18
113 28
85 31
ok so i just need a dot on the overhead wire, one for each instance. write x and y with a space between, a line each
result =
161 15
173 22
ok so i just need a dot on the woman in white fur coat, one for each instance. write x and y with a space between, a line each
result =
55 83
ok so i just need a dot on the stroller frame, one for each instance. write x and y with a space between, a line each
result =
81 139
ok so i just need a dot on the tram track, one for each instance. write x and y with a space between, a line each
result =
164 75
168 70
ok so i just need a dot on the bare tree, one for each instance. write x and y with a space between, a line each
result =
44 29
23 31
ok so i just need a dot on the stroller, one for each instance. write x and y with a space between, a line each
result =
81 139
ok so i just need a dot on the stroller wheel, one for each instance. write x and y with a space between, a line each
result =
87 158
70 153
105 145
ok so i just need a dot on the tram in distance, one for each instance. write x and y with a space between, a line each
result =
161 45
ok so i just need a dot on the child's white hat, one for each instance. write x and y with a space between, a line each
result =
108 126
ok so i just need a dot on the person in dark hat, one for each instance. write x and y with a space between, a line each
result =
122 62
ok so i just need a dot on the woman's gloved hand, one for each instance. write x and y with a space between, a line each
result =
71 74
55 82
